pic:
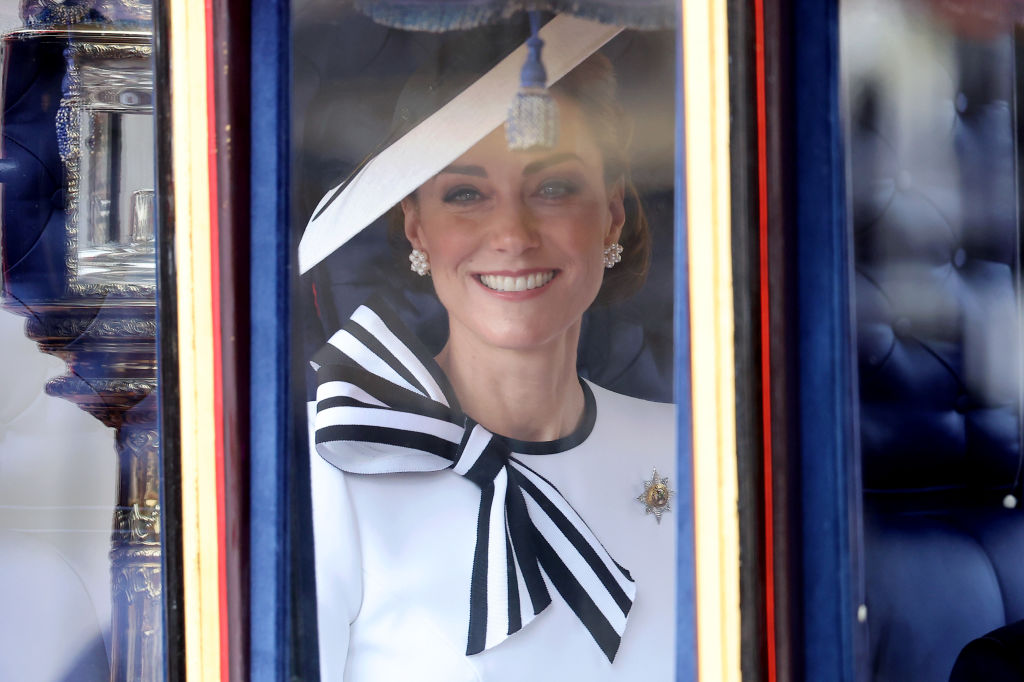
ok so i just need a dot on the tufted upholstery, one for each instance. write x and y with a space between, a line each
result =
939 347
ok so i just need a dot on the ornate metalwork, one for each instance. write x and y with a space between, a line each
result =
77 387
111 289
42 13
139 580
135 559
105 399
137 634
109 79
104 324
138 524
40 328
47 13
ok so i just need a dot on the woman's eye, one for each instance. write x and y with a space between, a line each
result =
556 189
461 195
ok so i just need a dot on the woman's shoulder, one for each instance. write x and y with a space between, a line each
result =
625 424
634 410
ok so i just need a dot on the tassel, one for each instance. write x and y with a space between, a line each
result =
533 116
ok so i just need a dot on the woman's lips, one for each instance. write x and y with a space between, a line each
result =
516 283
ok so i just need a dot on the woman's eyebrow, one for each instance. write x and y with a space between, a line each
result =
552 160
477 171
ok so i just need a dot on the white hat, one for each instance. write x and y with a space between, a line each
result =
440 139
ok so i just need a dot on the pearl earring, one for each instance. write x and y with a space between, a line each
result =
612 254
419 263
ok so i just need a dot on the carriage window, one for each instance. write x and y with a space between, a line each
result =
80 512
485 250
932 108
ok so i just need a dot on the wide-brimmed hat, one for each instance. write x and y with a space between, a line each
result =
409 159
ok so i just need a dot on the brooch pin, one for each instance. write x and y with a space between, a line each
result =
656 496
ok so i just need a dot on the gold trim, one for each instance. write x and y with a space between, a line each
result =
706 89
190 149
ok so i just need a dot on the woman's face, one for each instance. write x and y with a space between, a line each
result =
515 239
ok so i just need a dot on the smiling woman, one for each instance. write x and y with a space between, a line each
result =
472 504
515 242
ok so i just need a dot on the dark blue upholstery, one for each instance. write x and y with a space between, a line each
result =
32 173
939 350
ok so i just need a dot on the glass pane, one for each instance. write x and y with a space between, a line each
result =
492 316
80 554
932 115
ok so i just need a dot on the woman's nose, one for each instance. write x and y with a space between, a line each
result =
513 228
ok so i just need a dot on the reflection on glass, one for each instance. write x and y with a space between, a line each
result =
932 116
108 137
116 233
81 566
142 216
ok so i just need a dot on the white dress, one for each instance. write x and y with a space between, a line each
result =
394 555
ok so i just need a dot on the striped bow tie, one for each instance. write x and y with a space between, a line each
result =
378 385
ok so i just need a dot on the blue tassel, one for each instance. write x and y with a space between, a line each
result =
533 116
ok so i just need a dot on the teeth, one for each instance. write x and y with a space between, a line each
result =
525 283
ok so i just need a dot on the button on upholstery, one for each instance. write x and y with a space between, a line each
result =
959 258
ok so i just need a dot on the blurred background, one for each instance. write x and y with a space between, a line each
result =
933 117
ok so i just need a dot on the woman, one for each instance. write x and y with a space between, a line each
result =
450 493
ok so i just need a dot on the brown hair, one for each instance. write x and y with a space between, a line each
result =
592 87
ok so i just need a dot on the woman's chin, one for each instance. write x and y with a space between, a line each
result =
522 333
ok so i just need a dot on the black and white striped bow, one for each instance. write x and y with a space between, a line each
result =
377 385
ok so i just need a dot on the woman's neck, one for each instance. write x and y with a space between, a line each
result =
531 395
